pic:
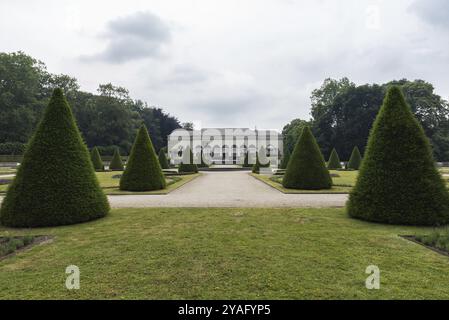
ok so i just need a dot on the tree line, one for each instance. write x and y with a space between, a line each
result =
107 119
342 114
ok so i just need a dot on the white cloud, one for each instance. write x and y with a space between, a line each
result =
232 63
133 37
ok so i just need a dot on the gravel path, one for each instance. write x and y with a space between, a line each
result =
227 189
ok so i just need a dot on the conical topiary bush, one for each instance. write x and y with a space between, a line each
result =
116 162
334 161
187 165
258 165
96 159
143 171
285 159
56 183
355 160
398 181
306 168
163 159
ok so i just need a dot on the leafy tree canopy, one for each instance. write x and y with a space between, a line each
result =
109 118
343 114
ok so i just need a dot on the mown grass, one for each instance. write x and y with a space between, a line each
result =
110 181
5 170
342 183
234 253
173 182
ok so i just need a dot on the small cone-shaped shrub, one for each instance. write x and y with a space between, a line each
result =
257 166
187 164
143 171
306 168
56 183
96 159
398 181
163 159
334 161
116 162
285 159
355 160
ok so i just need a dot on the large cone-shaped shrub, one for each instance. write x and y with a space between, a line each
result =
355 160
56 182
398 182
306 168
96 159
116 162
163 159
187 165
143 171
334 160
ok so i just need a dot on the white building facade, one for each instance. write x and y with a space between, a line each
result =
226 146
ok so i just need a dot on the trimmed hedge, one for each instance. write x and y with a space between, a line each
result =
163 159
143 171
116 162
187 165
355 160
56 183
398 182
307 169
96 159
334 161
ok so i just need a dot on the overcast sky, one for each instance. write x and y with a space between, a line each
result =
232 63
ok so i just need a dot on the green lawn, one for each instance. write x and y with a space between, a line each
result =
5 170
225 254
342 183
110 181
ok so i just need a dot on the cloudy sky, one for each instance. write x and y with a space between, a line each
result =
232 63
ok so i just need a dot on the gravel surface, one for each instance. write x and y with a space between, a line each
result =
227 189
